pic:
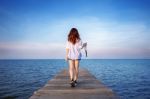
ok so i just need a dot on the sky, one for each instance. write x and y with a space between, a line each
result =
38 29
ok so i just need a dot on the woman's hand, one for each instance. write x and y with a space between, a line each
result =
66 58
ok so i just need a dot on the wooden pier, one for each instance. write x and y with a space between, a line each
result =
88 87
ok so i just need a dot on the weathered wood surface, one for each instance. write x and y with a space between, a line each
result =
88 88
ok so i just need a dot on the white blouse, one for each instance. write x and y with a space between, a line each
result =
74 50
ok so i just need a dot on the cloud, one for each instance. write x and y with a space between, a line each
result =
110 39
106 39
31 50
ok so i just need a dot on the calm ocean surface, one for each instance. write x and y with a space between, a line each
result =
130 79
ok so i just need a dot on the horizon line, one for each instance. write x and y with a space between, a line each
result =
81 59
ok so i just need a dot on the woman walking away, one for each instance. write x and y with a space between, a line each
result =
73 54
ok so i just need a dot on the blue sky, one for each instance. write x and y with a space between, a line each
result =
39 28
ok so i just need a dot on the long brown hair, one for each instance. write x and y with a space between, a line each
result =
73 35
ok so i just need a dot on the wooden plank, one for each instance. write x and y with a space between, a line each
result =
88 87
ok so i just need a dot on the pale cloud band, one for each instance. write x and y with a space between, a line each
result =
31 50
106 39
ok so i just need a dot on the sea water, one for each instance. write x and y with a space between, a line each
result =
129 78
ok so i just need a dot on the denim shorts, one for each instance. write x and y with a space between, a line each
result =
74 59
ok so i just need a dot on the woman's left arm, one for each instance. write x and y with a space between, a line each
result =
67 51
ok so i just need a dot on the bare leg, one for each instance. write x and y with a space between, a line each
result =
76 69
71 69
